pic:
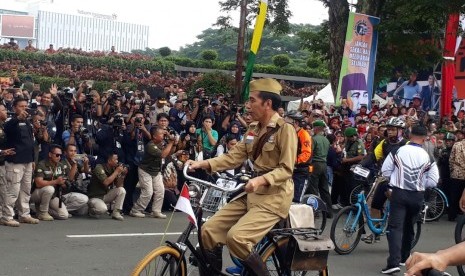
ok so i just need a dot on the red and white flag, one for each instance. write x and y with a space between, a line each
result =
185 206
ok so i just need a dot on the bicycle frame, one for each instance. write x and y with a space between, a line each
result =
362 208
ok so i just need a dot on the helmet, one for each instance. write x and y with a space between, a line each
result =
449 136
395 122
295 115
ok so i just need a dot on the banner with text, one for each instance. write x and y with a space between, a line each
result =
358 63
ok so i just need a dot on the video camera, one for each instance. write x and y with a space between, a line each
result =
66 96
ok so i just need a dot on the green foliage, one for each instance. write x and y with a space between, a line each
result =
108 61
209 55
277 15
164 51
281 60
215 82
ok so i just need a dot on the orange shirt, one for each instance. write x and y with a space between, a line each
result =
305 146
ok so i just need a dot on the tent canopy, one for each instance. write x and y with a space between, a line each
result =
326 94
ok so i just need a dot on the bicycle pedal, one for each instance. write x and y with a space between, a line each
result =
193 260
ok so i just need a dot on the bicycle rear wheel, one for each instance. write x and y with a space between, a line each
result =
163 260
436 205
346 230
460 237
354 194
269 254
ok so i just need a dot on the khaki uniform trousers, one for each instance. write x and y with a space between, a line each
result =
16 190
72 202
98 206
150 185
238 226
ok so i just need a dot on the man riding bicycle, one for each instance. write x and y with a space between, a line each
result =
271 144
393 141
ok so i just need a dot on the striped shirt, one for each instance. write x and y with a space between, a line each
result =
411 168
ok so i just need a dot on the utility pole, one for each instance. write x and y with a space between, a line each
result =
240 52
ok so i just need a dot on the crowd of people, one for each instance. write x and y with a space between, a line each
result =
73 150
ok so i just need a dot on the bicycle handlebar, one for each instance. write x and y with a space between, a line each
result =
432 272
211 185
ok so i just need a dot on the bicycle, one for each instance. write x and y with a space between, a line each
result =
437 203
170 259
459 235
348 224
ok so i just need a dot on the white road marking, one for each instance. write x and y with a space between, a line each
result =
123 235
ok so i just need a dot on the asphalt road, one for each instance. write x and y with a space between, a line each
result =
75 247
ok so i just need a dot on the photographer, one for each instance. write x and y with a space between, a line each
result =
158 108
50 176
177 116
208 137
42 138
79 169
19 135
110 137
77 134
150 178
106 186
134 148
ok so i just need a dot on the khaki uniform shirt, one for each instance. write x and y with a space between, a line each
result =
276 162
50 172
96 187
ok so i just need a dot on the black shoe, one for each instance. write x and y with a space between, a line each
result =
329 214
390 270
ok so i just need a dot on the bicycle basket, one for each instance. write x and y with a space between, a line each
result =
212 199
309 252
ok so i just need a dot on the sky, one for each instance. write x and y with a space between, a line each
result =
176 23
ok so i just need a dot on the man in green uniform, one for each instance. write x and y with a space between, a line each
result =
271 144
106 186
319 179
49 176
354 151
150 178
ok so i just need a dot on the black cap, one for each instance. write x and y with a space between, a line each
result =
419 130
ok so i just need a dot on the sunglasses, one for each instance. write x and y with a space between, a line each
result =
57 154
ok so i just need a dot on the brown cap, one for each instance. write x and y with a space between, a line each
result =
266 85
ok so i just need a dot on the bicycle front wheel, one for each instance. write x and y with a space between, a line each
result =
460 237
436 205
271 254
346 230
163 260
354 194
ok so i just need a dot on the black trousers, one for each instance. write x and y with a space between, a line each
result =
130 183
405 206
455 188
319 183
299 178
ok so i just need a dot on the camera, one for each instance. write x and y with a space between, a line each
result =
136 101
66 96
83 131
169 133
43 123
89 100
124 165
138 120
118 121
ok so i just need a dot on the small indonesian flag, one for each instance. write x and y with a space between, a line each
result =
185 206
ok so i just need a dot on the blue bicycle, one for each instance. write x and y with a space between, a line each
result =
348 225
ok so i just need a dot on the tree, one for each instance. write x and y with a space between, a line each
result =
209 55
277 16
281 60
164 51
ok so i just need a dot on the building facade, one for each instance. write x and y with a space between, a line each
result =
88 33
